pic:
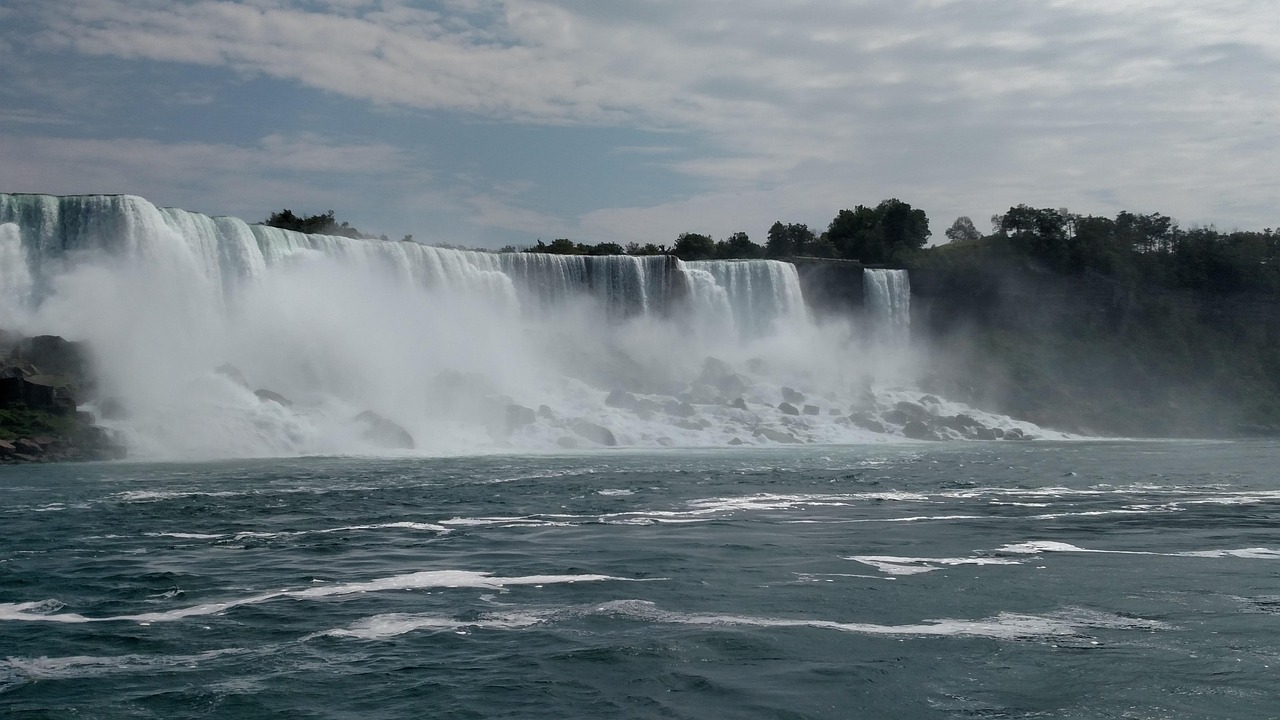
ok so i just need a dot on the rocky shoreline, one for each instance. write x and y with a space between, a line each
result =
42 381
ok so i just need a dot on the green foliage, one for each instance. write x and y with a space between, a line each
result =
323 224
693 246
738 245
884 234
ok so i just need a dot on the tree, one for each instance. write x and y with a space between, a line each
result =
878 235
693 246
962 230
738 245
789 240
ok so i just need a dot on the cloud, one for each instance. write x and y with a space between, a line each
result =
959 106
278 169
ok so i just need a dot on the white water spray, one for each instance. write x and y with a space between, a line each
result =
225 339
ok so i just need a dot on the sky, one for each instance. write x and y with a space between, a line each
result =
484 123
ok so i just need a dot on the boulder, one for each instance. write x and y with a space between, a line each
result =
55 356
568 443
518 416
792 396
776 436
7 448
737 441
696 424
232 373
866 422
895 416
913 411
985 433
788 409
679 409
37 394
275 397
739 404
811 410
383 432
665 441
917 430
544 412
621 399
597 434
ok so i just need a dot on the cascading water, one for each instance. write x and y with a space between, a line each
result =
888 300
220 338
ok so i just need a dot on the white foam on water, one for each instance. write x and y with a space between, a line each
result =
382 627
16 670
45 611
1035 547
893 565
1003 626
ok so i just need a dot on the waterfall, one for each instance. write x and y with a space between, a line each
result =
212 337
888 300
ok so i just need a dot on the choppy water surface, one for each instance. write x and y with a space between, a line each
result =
1086 580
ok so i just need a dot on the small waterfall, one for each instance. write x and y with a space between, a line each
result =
760 293
888 299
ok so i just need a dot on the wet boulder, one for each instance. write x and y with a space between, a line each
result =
792 396
917 430
777 436
811 410
788 409
383 432
597 434
275 397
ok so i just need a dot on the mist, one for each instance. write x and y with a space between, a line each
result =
215 338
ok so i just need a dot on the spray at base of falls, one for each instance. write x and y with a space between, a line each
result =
330 344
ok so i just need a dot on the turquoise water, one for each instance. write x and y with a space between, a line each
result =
1081 580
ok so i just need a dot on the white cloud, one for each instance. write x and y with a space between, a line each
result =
959 107
238 179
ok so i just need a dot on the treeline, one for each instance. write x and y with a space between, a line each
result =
884 234
1129 247
322 224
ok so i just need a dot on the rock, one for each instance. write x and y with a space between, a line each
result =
620 399
568 443
518 416
545 413
961 423
702 395
1016 434
232 373
733 384
7 448
737 441
788 409
698 424
37 395
791 396
917 430
665 441
598 434
811 410
679 409
930 400
985 433
269 396
895 416
833 411
776 436
27 446
383 432
739 404
866 422
913 411
55 356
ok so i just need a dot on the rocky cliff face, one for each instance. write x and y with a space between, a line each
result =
1093 354
42 379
